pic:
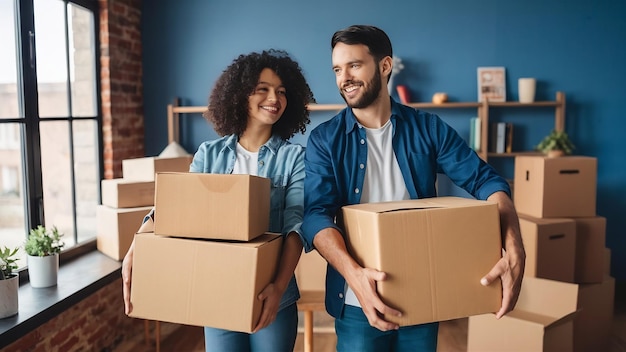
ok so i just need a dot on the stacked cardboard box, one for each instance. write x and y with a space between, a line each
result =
126 200
564 240
434 251
210 254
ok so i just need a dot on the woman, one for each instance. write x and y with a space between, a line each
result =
257 104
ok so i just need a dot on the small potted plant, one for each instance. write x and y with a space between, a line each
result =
556 144
43 247
9 282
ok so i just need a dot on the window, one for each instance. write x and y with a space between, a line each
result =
50 119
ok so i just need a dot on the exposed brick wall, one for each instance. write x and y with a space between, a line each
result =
97 323
121 87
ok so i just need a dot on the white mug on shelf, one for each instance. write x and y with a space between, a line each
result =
526 89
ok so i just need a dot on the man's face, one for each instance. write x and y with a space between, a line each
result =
358 76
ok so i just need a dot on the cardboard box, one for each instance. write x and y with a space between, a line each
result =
555 187
123 193
434 251
311 272
202 282
116 228
144 169
590 244
212 206
550 246
607 261
592 325
541 321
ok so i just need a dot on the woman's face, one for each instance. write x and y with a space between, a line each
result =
268 101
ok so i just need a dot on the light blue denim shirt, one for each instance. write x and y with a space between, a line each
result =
281 162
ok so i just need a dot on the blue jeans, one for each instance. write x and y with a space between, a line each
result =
280 336
354 333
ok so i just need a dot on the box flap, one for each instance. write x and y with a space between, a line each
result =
548 297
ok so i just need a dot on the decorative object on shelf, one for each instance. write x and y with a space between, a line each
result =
398 66
403 94
556 144
43 247
526 89
440 97
491 84
9 283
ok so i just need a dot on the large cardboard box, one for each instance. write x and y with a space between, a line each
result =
124 193
116 227
202 282
144 169
541 321
550 246
592 325
555 187
434 251
212 206
590 244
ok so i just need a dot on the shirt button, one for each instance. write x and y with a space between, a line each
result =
261 162
362 141
356 190
341 295
362 166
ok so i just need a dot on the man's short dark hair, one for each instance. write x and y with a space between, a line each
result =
374 38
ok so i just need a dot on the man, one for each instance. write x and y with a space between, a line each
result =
378 150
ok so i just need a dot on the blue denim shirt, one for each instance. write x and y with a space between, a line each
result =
424 145
281 162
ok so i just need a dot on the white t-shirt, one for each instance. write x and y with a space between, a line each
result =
383 178
247 163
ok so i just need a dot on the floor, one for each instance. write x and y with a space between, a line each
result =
452 334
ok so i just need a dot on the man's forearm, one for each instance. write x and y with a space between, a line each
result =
331 245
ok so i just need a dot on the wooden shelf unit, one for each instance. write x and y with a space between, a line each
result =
486 106
483 108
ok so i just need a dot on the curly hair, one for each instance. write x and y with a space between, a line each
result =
228 101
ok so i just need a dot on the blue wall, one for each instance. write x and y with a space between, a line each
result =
576 46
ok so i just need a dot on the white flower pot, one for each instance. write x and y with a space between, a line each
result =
8 296
42 271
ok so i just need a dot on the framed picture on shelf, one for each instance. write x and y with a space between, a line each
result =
491 84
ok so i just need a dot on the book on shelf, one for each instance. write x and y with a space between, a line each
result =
501 137
474 139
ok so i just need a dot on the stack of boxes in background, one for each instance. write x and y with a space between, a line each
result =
566 302
126 200
210 254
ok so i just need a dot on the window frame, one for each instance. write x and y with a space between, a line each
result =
28 100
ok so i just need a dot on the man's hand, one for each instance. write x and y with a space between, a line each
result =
364 288
510 273
331 245
510 268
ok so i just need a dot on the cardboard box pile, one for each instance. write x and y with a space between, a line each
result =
542 320
127 200
435 251
186 272
564 240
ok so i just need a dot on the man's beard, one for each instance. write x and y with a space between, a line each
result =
369 96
